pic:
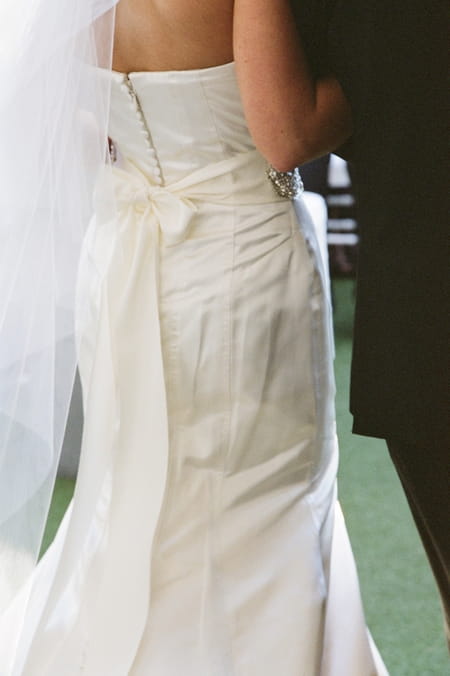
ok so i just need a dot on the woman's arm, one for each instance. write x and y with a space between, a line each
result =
292 118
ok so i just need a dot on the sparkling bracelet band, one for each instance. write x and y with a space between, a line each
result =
287 184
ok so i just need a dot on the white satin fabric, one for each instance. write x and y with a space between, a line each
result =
204 538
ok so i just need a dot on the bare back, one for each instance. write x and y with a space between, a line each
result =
172 34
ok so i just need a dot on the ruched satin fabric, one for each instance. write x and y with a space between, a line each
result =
204 538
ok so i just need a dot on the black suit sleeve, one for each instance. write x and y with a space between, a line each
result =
312 19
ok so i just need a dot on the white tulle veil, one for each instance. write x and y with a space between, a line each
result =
53 140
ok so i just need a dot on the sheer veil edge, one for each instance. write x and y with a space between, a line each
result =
54 105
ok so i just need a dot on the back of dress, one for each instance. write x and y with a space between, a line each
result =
204 536
184 120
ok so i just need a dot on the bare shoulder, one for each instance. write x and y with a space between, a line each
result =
172 34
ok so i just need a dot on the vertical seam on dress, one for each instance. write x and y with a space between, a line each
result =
226 429
228 333
213 117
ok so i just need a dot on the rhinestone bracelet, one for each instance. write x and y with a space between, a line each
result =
287 184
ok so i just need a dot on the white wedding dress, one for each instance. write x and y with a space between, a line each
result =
204 538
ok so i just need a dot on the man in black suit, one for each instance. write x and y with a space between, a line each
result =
390 58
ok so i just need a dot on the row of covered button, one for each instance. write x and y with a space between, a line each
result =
133 98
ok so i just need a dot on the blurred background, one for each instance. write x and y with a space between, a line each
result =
399 593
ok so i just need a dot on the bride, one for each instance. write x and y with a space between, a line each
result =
204 537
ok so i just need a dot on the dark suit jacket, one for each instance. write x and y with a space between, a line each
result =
391 59
313 19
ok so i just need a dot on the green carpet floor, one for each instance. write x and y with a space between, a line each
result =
400 598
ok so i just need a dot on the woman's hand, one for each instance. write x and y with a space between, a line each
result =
291 117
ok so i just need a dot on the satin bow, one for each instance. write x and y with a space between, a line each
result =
164 206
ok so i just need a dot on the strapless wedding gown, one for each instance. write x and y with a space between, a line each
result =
204 538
